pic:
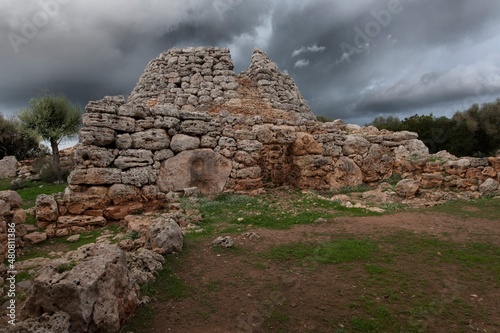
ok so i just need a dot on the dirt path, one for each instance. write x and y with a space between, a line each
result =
418 279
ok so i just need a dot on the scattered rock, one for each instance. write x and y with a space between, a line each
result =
73 238
223 241
164 235
35 237
407 188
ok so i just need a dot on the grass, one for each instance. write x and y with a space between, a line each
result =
397 283
31 190
340 251
270 211
486 208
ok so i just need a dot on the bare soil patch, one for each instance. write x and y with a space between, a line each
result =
426 273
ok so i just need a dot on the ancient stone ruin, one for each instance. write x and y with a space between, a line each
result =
192 122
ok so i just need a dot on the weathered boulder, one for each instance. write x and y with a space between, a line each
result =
95 156
345 173
407 188
489 187
12 197
93 286
98 136
224 241
143 264
355 145
376 164
46 208
164 235
8 167
35 237
181 142
120 193
153 139
305 144
95 176
202 168
78 199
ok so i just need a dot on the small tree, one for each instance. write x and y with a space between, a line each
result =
53 118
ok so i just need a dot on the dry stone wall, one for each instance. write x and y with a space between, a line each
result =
192 122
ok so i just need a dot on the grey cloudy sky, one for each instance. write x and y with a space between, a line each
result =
353 60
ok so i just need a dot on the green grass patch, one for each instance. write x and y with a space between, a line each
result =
167 285
332 252
34 189
486 208
271 211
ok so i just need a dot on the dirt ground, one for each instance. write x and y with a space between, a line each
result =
240 290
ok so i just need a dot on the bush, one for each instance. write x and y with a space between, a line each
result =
46 171
14 141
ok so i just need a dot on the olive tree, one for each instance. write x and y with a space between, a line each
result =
53 118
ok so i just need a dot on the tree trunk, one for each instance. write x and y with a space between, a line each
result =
55 159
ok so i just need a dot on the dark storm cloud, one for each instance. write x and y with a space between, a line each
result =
352 60
376 55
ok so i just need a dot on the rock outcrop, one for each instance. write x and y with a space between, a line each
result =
192 122
92 285
8 167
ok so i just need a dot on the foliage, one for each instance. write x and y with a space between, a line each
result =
474 132
14 141
53 118
324 119
484 124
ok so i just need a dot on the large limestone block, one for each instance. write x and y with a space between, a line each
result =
153 139
120 193
93 155
345 173
124 124
95 176
46 208
377 163
93 286
78 199
80 221
98 136
181 142
8 167
355 145
202 168
134 158
305 144
140 176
